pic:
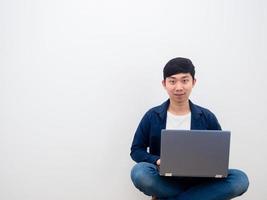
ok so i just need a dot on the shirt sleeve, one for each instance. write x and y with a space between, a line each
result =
140 143
214 123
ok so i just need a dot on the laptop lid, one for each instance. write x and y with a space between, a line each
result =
195 153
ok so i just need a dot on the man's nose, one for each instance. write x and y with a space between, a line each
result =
178 86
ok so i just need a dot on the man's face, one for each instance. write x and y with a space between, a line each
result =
179 87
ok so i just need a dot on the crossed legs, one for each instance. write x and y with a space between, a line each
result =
146 178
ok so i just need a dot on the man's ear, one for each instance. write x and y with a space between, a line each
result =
194 82
164 83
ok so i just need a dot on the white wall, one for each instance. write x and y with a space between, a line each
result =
77 76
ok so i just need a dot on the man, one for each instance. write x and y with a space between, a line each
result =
178 112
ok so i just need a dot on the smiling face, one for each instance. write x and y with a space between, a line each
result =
179 87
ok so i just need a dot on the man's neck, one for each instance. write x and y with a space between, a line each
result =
182 108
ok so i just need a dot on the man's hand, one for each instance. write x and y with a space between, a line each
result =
158 162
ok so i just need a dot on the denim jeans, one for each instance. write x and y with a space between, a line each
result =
146 178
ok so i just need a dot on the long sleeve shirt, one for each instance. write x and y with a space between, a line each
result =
146 142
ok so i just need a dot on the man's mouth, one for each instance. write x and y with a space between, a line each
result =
179 95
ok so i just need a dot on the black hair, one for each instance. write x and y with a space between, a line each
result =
179 65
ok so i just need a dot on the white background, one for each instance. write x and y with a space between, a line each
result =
77 76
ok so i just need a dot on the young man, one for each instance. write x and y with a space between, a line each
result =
178 112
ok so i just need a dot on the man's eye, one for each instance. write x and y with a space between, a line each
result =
185 80
171 81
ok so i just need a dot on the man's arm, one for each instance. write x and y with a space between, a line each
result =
213 122
141 143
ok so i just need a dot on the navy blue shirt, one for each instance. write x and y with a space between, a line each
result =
149 130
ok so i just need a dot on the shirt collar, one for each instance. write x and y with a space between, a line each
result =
162 110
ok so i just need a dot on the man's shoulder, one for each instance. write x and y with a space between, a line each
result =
207 116
159 109
156 112
201 110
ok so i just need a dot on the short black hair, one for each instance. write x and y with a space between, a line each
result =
179 65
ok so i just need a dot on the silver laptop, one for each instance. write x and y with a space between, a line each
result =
194 153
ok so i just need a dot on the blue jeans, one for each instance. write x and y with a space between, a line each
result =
146 178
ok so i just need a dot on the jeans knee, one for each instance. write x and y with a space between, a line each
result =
142 176
239 181
136 173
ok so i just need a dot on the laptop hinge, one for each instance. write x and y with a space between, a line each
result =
168 174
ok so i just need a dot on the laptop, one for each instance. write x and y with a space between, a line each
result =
194 153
